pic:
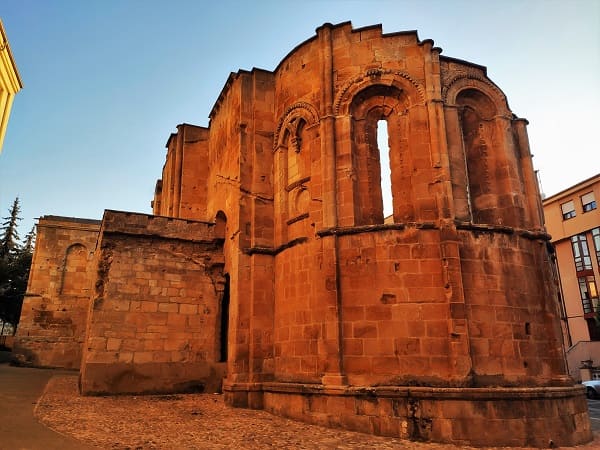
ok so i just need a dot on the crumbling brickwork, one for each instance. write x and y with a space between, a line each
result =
154 314
436 320
54 314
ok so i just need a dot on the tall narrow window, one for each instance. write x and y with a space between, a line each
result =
484 152
589 294
378 157
581 253
224 334
596 238
386 171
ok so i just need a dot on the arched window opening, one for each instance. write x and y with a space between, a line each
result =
74 276
382 186
480 142
220 225
386 171
298 159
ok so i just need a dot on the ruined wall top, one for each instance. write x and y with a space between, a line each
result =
118 222
69 222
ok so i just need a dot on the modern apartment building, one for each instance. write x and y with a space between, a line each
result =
573 221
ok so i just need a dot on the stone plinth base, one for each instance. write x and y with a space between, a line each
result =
537 417
151 378
52 352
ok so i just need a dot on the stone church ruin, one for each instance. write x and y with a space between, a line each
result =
270 267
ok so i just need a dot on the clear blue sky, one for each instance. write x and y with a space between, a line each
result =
106 82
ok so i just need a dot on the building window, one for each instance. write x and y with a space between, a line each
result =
596 239
581 253
589 294
568 210
593 328
588 202
386 170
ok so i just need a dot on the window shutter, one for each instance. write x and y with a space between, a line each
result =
587 198
567 207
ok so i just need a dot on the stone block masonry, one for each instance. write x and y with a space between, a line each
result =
155 310
272 265
55 308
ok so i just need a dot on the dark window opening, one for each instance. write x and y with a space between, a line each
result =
224 335
594 329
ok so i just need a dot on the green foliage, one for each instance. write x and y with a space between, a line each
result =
15 262
10 236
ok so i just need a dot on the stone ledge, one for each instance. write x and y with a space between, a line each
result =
491 393
464 416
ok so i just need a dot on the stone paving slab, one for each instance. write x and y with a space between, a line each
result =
196 421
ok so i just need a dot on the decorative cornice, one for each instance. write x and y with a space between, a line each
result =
342 231
460 225
272 251
502 229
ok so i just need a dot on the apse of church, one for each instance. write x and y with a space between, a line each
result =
287 279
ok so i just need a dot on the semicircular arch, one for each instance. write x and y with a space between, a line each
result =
384 77
451 92
299 110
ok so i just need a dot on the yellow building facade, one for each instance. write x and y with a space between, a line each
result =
573 220
10 82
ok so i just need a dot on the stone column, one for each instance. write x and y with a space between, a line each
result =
533 212
335 372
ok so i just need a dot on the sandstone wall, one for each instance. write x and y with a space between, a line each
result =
453 289
181 192
155 316
333 310
54 314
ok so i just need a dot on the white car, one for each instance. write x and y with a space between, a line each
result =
592 388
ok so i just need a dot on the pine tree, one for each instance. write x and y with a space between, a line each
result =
9 241
29 241
15 262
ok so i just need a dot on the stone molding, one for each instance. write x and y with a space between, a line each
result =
300 109
373 77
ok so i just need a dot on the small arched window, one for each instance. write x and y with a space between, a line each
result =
74 277
220 225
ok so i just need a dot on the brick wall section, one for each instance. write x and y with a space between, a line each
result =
153 321
54 314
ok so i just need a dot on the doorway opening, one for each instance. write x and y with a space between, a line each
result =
224 334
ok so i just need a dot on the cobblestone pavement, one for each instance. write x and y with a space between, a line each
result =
194 421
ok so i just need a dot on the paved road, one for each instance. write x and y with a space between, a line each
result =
19 430
20 389
594 409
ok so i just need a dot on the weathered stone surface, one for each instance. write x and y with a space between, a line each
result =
54 314
153 317
269 236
